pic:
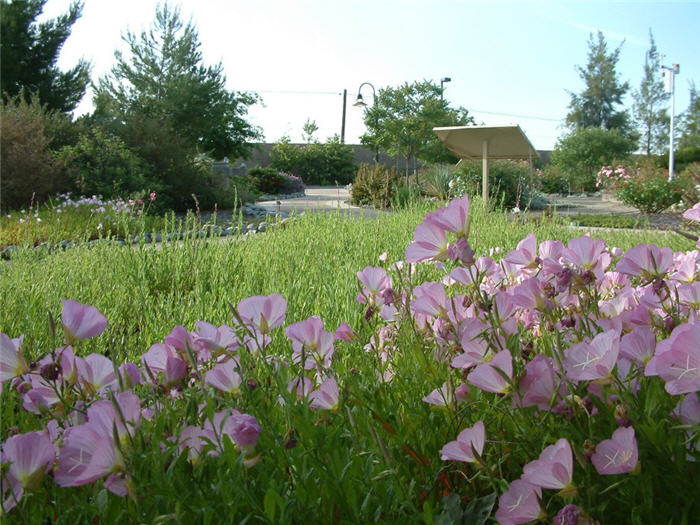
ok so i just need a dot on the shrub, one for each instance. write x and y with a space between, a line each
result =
580 154
267 180
315 163
552 179
436 181
28 169
689 180
244 189
101 164
509 181
374 186
643 186
291 184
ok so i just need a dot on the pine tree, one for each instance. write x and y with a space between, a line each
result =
29 53
649 107
690 122
596 105
164 81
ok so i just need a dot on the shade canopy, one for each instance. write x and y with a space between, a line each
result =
504 142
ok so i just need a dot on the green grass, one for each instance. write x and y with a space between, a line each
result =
312 262
608 221
373 461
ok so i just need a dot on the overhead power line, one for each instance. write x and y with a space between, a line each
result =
514 115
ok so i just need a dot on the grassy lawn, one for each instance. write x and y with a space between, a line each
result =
373 461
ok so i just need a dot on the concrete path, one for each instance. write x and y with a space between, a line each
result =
321 199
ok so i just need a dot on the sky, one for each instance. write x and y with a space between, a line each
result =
510 62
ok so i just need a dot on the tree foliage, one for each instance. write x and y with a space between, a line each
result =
690 122
29 53
597 104
402 119
581 153
649 108
164 80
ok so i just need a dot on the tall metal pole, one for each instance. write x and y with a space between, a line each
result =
485 171
342 128
670 73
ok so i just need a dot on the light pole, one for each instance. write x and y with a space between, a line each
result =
360 103
443 80
669 74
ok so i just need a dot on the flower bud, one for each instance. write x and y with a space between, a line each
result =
50 371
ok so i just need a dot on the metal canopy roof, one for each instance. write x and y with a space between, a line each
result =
504 142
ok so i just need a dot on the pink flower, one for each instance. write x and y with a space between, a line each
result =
96 373
30 456
587 253
12 363
430 299
638 345
468 446
429 242
224 377
81 321
539 384
677 360
302 387
519 504
554 469
263 313
594 360
487 377
216 340
310 338
326 396
440 397
526 252
345 333
152 196
647 260
454 217
617 455
693 214
375 281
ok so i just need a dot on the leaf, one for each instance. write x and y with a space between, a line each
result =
479 510
270 504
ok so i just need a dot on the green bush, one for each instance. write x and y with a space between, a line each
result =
244 189
580 154
101 164
509 181
553 180
650 192
315 163
28 170
374 186
267 180
436 181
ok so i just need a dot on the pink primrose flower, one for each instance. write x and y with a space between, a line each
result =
486 377
30 456
326 396
468 445
617 455
693 214
302 387
430 299
587 253
216 340
454 217
81 321
677 360
12 363
263 312
638 345
96 373
224 377
647 260
429 242
538 386
519 504
440 397
345 333
554 469
309 337
526 252
593 360
375 281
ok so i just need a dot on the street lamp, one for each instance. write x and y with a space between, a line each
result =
360 103
669 73
443 80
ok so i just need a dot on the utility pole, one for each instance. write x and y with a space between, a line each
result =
342 127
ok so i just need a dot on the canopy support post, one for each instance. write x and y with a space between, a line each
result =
485 170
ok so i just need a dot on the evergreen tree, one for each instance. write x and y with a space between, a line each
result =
597 105
690 122
164 81
29 53
649 107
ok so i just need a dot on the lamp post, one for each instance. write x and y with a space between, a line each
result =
360 103
669 73
443 80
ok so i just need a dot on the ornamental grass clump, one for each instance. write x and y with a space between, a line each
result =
558 383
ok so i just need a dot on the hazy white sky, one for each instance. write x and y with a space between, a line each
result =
509 61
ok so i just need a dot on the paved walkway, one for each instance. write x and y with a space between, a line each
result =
320 199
